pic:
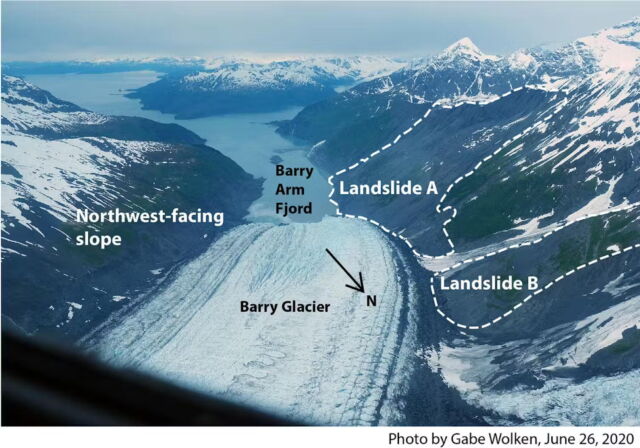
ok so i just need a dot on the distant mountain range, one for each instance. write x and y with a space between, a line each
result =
162 65
197 87
58 157
231 86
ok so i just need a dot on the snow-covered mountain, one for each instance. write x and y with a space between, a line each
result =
463 72
464 50
56 158
232 75
229 86
536 159
616 48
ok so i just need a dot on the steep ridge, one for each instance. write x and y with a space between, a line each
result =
58 158
459 73
448 143
579 161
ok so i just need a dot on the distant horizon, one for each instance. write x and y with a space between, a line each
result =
49 32
283 57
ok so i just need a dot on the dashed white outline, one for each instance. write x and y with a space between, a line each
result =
455 182
459 179
527 298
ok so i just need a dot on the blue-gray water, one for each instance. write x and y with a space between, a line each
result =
245 138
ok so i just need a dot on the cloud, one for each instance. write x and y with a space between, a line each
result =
87 30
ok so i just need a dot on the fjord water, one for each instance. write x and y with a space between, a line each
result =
247 139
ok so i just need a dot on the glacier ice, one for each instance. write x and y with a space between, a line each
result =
348 366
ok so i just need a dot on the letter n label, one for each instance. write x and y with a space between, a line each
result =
372 300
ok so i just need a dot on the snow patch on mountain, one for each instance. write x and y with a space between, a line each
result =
617 47
55 173
601 401
521 59
599 203
26 107
608 119
238 74
475 369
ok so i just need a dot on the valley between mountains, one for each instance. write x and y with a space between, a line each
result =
535 159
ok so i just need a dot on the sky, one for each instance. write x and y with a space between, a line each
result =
38 31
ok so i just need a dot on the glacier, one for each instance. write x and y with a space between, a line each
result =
348 366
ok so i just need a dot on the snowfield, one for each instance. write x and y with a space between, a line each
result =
231 74
347 366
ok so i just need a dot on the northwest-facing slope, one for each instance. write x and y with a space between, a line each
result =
58 158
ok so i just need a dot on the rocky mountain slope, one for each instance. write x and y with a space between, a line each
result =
56 158
537 171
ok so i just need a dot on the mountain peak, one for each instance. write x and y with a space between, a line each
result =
463 44
466 48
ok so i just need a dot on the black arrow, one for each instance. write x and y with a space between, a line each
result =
359 285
